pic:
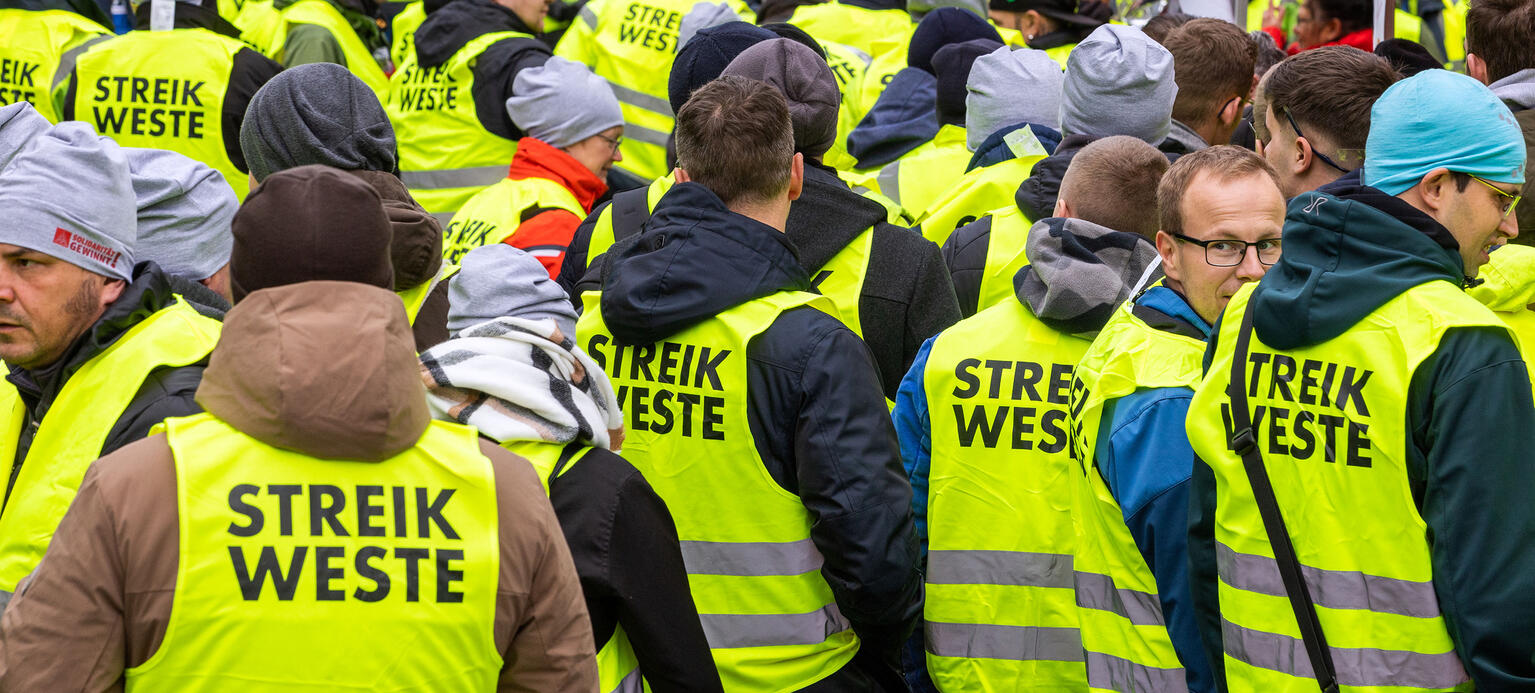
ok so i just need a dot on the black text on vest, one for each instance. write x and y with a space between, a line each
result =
349 518
1026 385
18 81
425 89
651 27
187 117
464 234
669 386
1314 409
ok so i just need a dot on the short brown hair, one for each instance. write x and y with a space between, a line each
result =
1212 63
1113 182
1157 28
1329 91
1225 161
1502 34
734 137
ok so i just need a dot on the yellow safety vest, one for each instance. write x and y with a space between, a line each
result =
255 16
71 434
494 214
162 90
603 236
403 28
1000 613
1332 434
865 185
303 574
1123 630
446 155
1508 289
767 612
851 67
875 32
416 296
1004 257
932 169
272 36
38 48
1060 54
982 190
1454 20
618 669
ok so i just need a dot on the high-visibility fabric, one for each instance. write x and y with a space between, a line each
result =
602 231
769 615
72 433
1508 289
403 31
618 669
446 155
1124 632
922 176
359 59
850 66
1454 20
254 18
416 296
982 190
1004 257
1329 420
1408 26
37 50
494 214
162 90
1060 53
866 186
875 32
1000 612
382 575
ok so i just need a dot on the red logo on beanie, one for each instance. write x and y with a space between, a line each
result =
86 247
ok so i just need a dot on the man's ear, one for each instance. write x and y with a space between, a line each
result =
1062 208
1230 112
796 176
1435 188
1166 245
681 176
1333 28
1477 68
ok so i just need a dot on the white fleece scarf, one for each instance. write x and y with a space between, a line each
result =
520 379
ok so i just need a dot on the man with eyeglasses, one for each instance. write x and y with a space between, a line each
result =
1362 517
1220 217
574 128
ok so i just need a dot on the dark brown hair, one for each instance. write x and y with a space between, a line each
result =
1227 162
1113 182
1212 64
1502 34
734 137
1329 91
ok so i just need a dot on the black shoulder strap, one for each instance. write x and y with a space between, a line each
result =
566 457
631 208
1245 443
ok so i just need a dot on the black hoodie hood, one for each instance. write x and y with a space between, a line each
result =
1036 195
451 26
827 216
694 259
1348 249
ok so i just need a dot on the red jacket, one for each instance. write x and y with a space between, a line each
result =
547 234
1364 40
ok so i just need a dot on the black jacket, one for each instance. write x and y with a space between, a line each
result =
249 72
906 296
625 548
165 393
450 27
815 407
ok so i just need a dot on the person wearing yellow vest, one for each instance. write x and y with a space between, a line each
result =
574 130
1213 65
1502 56
1111 183
1375 433
344 32
314 530
982 419
447 100
796 532
513 371
98 349
183 87
41 41
1220 216
323 114
1052 26
1508 288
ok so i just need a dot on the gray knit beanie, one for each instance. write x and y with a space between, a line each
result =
1118 82
1008 87
318 113
185 211
68 194
19 124
806 82
702 16
562 102
497 281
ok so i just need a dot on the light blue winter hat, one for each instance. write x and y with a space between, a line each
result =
1440 119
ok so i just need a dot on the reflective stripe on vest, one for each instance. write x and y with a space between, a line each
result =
766 610
37 45
359 59
982 190
1123 628
162 90
937 165
493 214
1000 612
446 155
1004 257
1330 422
416 296
292 599
72 433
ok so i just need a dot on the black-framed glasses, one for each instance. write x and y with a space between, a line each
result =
1512 199
615 142
1225 252
1296 127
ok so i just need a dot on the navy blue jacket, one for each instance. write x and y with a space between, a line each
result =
903 118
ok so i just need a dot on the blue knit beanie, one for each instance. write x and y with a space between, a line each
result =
1440 119
942 27
706 55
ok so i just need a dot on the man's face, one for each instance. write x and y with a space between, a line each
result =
1247 209
45 304
1475 218
1310 30
531 12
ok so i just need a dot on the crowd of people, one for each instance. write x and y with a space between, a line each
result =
792 345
